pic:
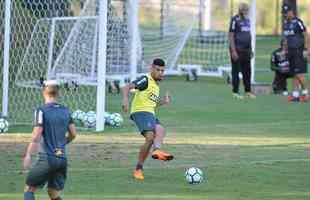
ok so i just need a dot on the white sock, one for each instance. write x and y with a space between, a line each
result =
285 93
295 93
305 92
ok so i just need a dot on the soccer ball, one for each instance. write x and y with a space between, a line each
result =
106 117
194 175
78 115
4 125
115 120
89 119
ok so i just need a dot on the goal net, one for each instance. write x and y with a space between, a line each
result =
164 30
206 50
188 35
59 40
53 40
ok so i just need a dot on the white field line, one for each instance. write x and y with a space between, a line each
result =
184 166
116 196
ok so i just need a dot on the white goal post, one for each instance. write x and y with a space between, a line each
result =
73 45
60 45
6 56
69 45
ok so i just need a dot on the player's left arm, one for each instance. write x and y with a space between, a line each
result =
33 145
165 100
273 66
71 133
306 44
302 28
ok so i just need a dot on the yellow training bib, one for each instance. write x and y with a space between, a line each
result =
147 99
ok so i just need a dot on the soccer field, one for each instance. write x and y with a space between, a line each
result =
256 150
247 150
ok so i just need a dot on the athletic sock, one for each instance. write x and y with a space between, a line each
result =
304 92
155 148
139 166
29 196
285 93
295 93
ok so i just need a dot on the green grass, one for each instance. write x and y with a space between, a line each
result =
248 150
257 150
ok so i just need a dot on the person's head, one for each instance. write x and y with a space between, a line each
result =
50 90
243 9
287 12
283 44
158 69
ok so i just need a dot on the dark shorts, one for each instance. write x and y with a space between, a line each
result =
298 64
145 121
50 170
279 83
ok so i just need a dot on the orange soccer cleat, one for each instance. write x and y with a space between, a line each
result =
304 98
138 174
160 155
291 98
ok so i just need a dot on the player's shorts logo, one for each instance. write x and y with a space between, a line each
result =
58 152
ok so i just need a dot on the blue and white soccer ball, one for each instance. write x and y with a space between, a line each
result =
90 119
78 115
4 125
194 175
115 120
106 117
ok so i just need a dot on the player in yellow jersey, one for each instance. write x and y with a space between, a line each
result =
142 112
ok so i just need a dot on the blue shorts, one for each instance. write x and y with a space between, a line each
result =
145 121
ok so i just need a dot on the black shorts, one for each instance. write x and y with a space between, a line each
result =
298 64
50 170
145 121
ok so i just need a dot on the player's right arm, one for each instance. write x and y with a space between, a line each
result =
35 139
32 147
139 84
125 94
231 37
